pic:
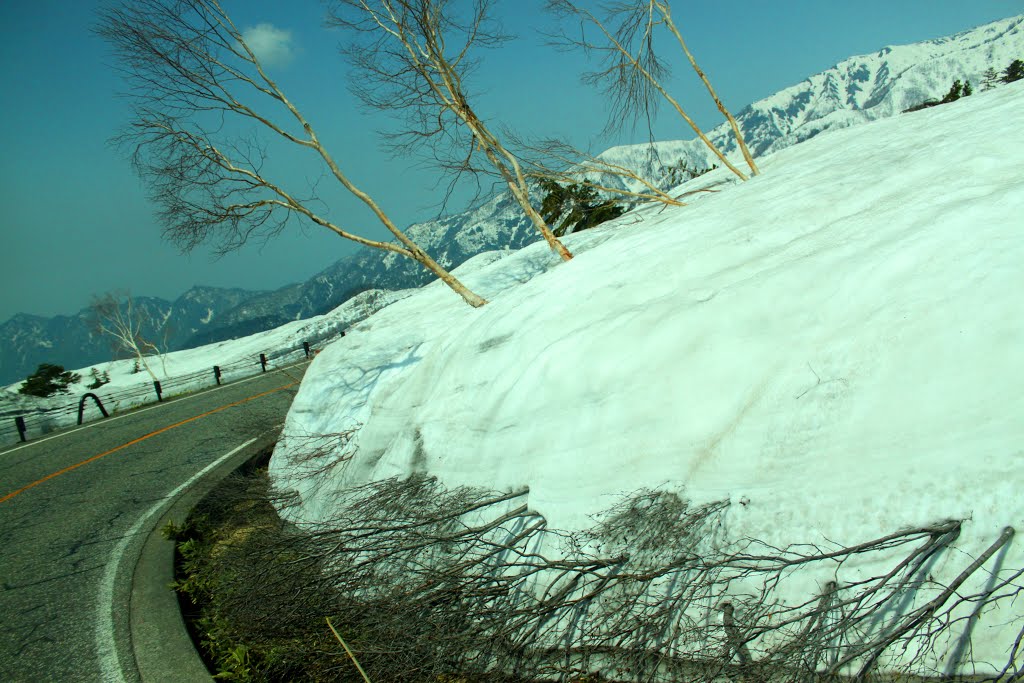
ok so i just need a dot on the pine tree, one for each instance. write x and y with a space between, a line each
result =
48 380
968 90
954 92
1014 72
989 79
579 207
98 378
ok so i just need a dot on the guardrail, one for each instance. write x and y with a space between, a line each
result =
22 425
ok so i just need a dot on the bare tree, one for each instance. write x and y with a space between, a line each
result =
194 81
633 74
115 315
413 58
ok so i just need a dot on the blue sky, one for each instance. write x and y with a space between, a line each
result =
76 221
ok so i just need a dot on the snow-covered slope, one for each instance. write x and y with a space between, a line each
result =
187 370
835 347
857 90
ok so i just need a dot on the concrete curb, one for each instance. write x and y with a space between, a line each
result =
161 644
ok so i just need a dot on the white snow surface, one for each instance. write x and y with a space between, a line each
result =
838 343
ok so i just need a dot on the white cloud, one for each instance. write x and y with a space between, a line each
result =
271 45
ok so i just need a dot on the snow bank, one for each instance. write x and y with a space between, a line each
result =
837 344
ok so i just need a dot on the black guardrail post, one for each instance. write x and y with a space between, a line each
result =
20 422
216 374
305 347
159 391
81 406
263 361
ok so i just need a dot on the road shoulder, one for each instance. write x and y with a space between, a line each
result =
161 644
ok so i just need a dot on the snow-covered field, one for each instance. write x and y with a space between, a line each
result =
187 370
836 347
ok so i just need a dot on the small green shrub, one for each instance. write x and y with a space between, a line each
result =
98 378
1014 72
48 380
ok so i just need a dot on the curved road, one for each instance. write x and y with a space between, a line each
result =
73 504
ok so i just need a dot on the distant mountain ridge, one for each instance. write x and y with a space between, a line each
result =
497 224
69 340
205 315
859 89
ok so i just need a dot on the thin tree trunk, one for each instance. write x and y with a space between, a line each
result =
664 93
522 196
452 97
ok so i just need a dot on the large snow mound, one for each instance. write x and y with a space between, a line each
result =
838 344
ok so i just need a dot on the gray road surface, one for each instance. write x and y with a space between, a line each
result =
63 583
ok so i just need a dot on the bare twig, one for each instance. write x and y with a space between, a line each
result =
347 650
429 583
633 75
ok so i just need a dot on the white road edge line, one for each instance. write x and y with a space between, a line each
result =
173 399
106 648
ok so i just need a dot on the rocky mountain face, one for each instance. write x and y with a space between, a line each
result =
205 314
857 90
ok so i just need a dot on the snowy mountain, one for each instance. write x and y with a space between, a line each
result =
205 315
769 436
28 340
188 369
496 224
857 90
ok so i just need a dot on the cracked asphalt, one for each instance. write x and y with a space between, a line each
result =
57 538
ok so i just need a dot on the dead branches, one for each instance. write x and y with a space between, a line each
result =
197 86
427 582
560 162
128 326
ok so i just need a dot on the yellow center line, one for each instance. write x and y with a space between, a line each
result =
69 468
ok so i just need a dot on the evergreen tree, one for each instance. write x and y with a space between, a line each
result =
989 79
968 90
576 207
681 172
98 378
1014 72
954 92
48 380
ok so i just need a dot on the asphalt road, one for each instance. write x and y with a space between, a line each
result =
65 529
